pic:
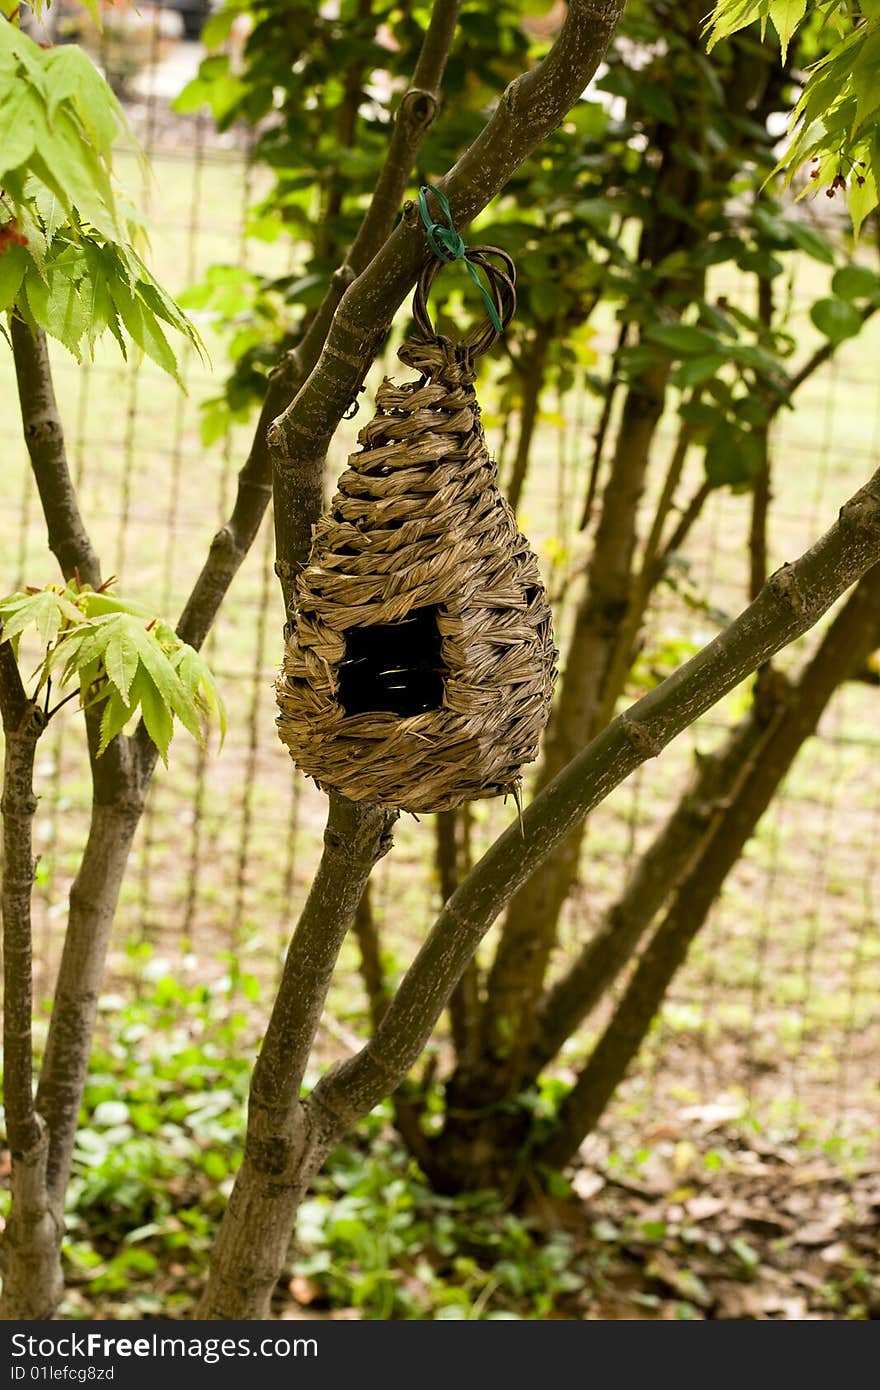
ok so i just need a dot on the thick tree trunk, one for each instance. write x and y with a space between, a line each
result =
252 1247
44 437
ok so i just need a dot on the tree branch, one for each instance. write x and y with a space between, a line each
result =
792 601
93 898
683 527
850 638
654 877
355 837
32 1275
529 110
531 369
415 115
23 723
664 506
761 487
44 437
601 434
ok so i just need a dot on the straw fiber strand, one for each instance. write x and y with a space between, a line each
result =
419 535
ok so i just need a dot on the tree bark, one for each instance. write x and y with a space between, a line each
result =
44 437
366 933
281 1150
93 899
32 1280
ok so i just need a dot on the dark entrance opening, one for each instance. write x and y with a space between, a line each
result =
393 667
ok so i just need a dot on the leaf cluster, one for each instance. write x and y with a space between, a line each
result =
120 657
835 124
68 262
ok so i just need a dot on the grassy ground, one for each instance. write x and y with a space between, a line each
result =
774 1016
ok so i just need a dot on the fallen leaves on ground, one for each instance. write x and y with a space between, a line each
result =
726 1224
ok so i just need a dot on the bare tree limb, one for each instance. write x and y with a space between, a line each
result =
531 368
689 516
355 837
761 483
653 878
851 637
44 437
602 427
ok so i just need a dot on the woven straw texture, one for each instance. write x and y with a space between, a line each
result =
419 527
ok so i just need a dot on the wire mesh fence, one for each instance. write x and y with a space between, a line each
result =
776 1008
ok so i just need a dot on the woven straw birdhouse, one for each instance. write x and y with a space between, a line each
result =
420 662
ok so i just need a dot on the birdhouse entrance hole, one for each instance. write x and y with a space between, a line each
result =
395 668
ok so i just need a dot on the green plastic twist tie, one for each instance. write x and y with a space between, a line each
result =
447 245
